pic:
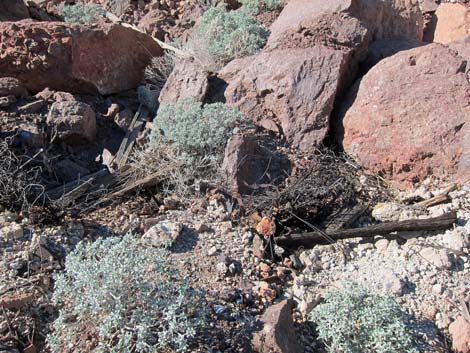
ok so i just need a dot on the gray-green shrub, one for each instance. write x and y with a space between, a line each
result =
127 295
81 13
254 7
354 320
191 127
222 36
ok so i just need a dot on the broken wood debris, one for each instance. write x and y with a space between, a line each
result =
442 197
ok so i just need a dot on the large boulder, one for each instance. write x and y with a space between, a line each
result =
453 23
95 58
409 116
13 10
295 88
383 18
186 80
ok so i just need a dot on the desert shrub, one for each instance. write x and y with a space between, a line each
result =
254 7
176 173
191 127
222 36
354 320
160 68
81 13
126 296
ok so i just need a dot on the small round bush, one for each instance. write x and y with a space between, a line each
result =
353 320
225 35
117 295
81 13
194 128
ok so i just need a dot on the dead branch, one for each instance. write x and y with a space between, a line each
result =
310 239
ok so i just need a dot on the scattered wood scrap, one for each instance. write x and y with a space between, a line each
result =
138 122
442 197
310 239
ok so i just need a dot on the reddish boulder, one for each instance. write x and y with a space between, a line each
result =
383 19
278 333
453 23
95 58
186 80
460 332
295 88
13 10
409 116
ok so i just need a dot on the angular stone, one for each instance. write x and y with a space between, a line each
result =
457 239
436 258
73 121
428 5
186 80
249 161
278 334
163 234
453 23
124 119
296 88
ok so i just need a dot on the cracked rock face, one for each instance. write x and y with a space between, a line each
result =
295 88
